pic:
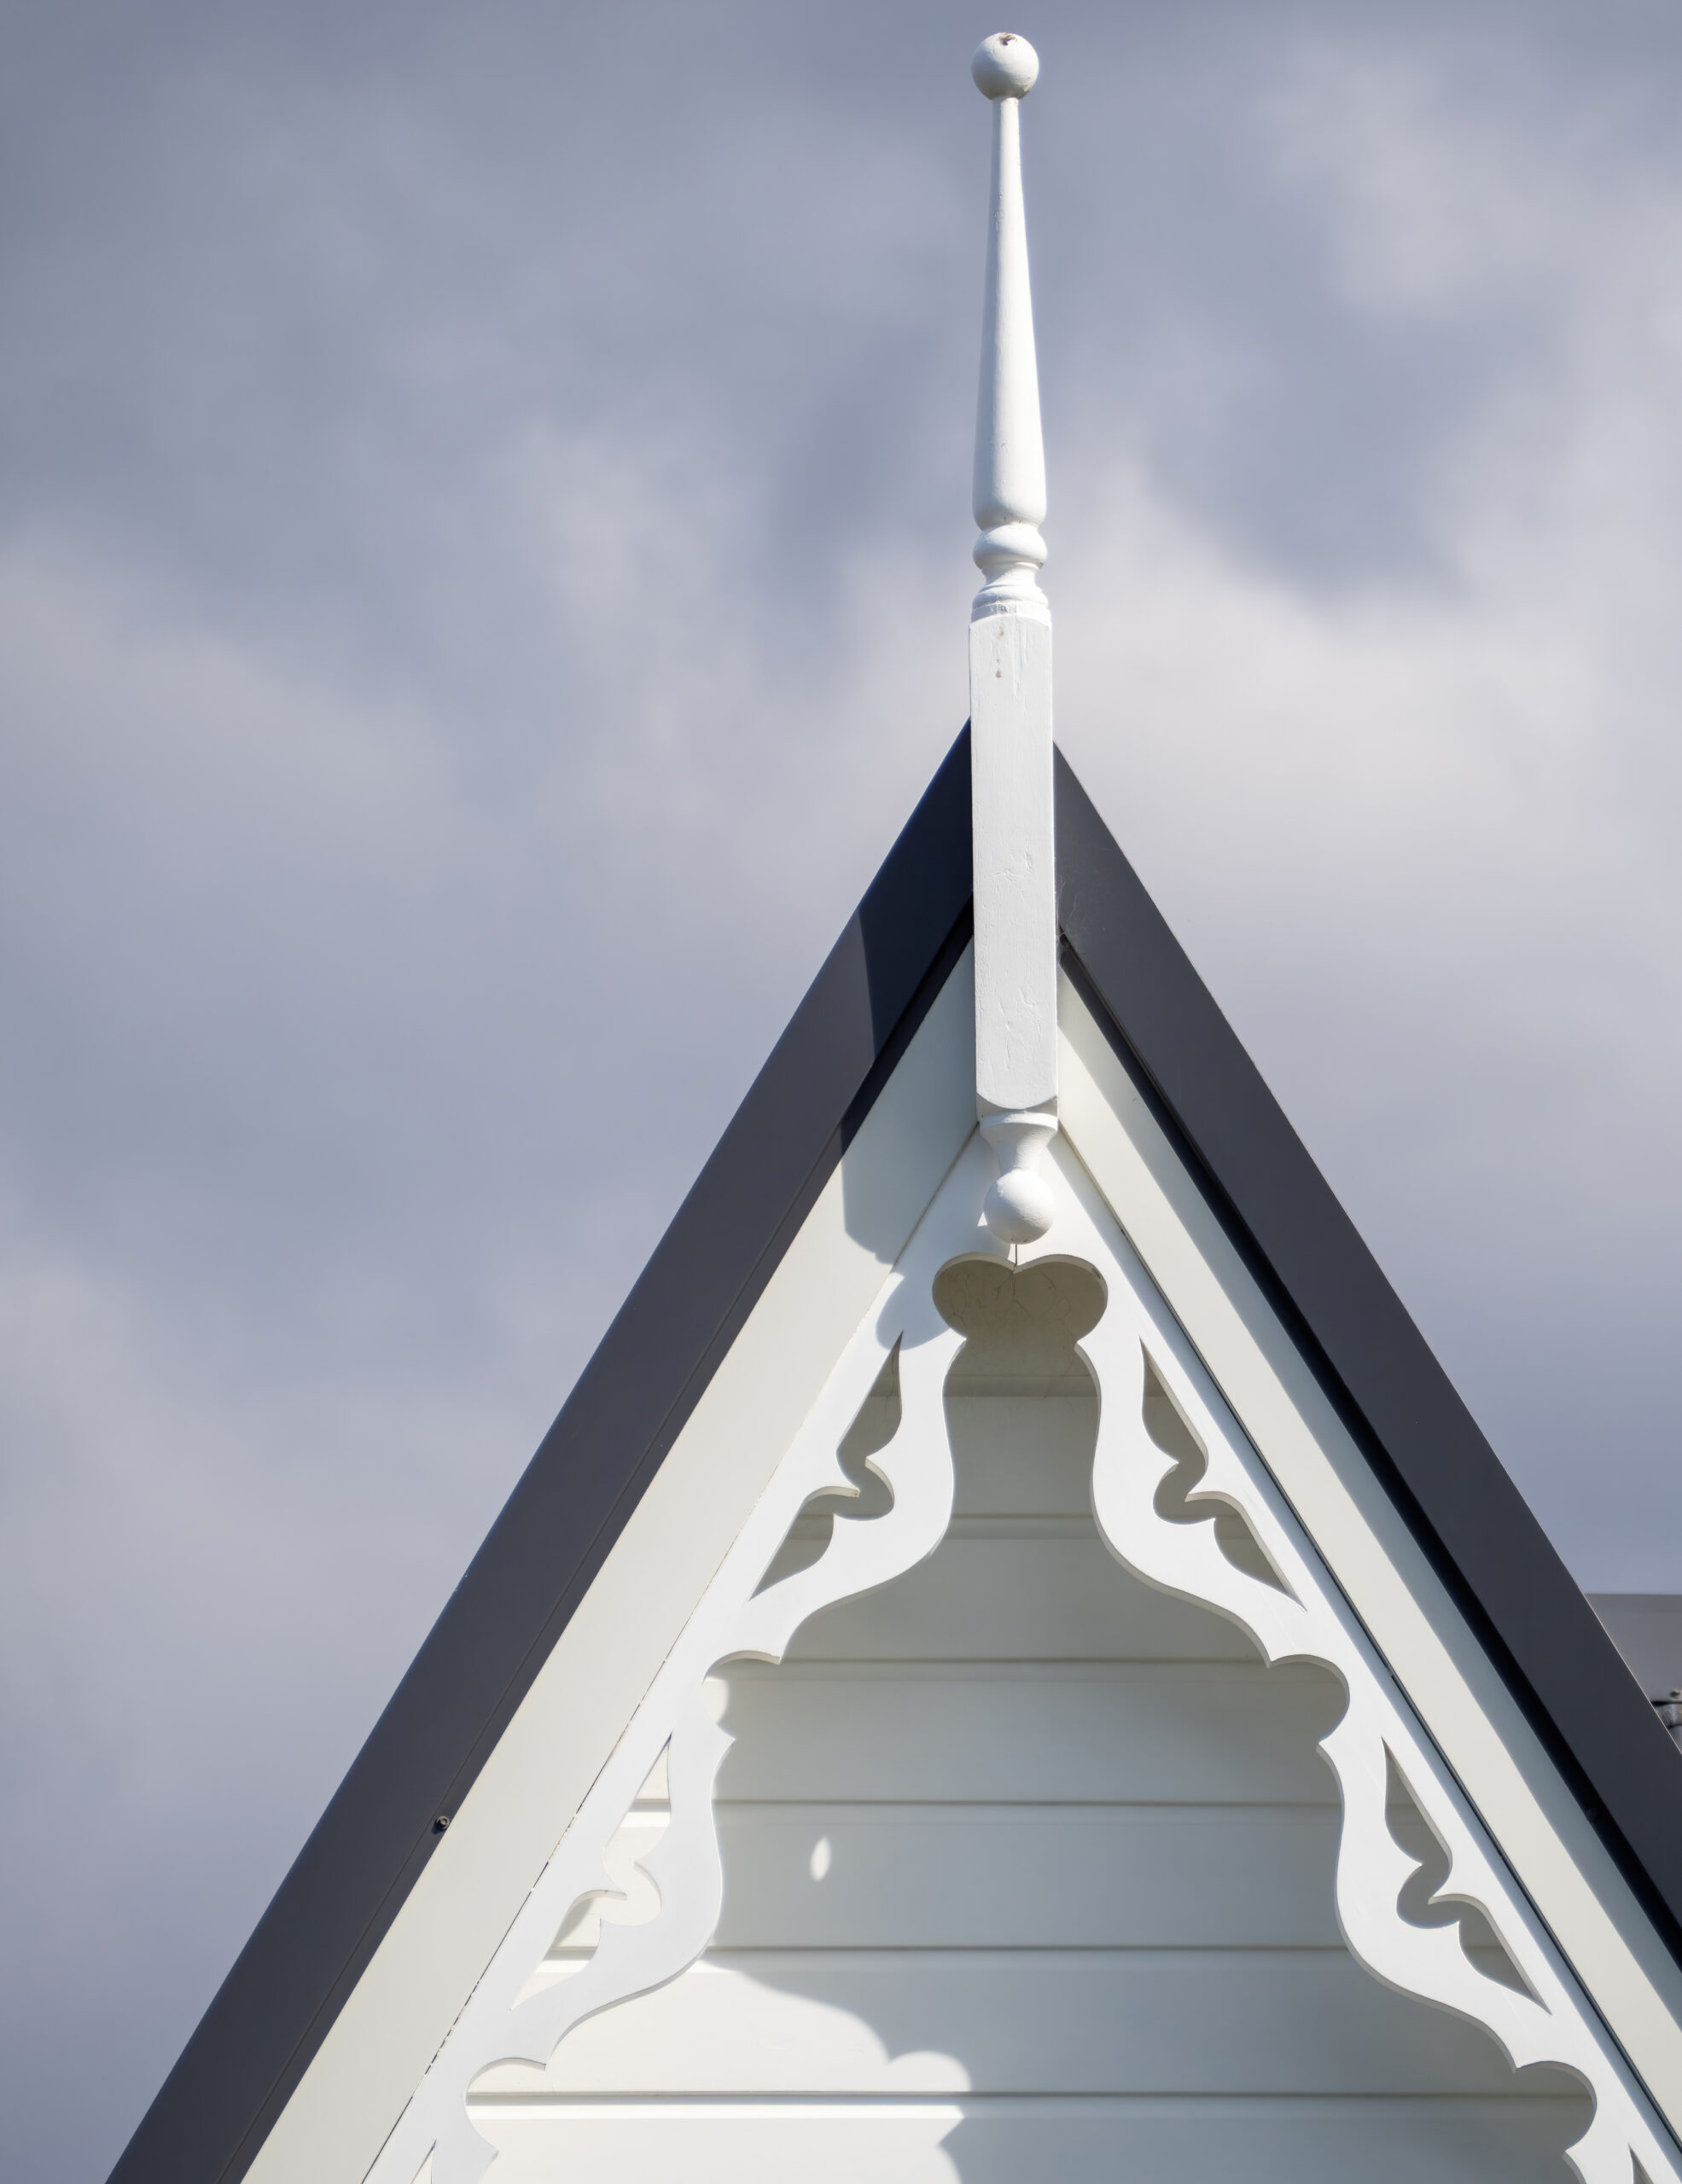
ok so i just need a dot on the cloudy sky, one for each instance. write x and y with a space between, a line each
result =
483 575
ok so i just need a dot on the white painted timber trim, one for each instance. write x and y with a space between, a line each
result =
1009 476
1304 1617
534 1781
513 2016
1534 1821
1016 871
1011 698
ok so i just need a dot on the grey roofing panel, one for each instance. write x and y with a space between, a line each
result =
1646 1627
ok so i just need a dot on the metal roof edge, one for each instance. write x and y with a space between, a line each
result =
1456 1497
271 2013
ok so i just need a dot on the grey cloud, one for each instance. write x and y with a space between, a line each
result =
482 579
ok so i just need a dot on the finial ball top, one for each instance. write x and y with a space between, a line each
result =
1006 66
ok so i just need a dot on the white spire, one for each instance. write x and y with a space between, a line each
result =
1011 700
1009 490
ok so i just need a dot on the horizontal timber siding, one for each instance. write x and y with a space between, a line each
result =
1028 1873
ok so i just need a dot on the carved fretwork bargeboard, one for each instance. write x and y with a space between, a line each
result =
1042 1846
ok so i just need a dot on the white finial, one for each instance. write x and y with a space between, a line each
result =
1009 491
1010 701
1004 67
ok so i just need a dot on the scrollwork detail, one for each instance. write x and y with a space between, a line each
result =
1295 1613
1305 1618
512 2017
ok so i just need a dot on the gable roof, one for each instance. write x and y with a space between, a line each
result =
319 1934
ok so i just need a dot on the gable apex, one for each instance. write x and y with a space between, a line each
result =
1162 1031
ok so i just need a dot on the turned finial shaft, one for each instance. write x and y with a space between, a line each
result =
1010 702
1009 490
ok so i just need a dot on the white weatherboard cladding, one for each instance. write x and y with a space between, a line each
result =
807 2038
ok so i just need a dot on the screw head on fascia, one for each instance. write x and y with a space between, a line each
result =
1006 66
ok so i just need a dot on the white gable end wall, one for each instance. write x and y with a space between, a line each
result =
1051 2019
1028 1870
616 2038
1017 1839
